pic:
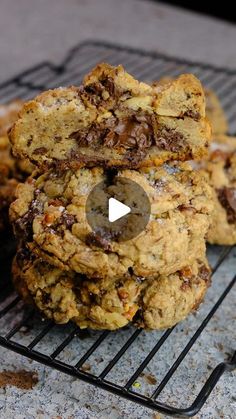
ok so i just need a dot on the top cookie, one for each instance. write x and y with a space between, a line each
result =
113 120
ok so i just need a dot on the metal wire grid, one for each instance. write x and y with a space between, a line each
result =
14 319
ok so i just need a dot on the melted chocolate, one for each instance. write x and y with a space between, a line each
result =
134 132
170 140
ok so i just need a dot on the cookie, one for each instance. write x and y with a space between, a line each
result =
8 115
167 300
110 304
221 171
7 196
112 120
50 216
214 110
215 113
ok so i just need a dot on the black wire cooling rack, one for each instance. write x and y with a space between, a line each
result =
138 365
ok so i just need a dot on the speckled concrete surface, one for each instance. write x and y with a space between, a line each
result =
57 394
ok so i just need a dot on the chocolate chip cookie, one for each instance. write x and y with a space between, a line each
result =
50 216
214 110
62 296
8 115
113 120
221 171
215 113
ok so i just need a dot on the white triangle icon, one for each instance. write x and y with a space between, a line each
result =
116 210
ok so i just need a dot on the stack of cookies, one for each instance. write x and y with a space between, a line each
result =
109 128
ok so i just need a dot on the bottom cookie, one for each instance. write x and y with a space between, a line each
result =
156 303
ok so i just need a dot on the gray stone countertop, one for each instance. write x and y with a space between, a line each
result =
36 30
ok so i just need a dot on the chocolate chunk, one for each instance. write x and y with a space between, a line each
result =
94 239
133 132
130 133
23 255
204 273
134 157
227 198
68 219
194 115
170 140
46 298
187 208
23 226
97 93
185 285
231 197
108 83
40 150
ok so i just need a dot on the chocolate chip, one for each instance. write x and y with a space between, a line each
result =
29 141
227 198
40 150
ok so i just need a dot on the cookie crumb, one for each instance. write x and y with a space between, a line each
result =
22 379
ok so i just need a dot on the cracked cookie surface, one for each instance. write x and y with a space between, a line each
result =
156 303
50 216
113 120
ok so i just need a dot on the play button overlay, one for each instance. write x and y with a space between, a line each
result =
117 210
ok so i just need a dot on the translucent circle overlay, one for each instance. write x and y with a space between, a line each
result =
129 193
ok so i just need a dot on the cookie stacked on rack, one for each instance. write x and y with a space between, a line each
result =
8 182
219 166
113 127
11 169
220 169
